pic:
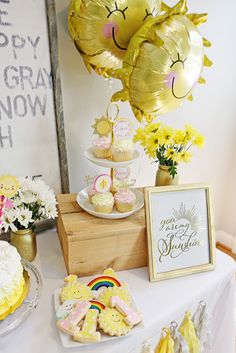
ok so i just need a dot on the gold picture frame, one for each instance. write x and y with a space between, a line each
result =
180 230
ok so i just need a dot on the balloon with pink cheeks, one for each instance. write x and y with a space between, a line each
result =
102 29
163 63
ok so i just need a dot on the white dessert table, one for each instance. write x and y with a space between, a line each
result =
160 302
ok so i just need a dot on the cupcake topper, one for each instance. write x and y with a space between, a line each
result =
102 183
102 126
9 185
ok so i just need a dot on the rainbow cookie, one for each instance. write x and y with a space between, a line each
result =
112 323
74 290
103 281
95 304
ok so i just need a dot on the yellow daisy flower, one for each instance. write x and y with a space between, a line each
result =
152 142
152 127
199 141
185 156
140 136
166 135
172 154
179 136
150 153
190 133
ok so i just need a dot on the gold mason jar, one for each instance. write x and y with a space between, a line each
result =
25 242
164 178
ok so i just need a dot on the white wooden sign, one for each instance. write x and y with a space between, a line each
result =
28 137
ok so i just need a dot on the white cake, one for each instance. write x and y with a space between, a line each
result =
11 279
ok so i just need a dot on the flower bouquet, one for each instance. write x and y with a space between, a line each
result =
168 146
31 201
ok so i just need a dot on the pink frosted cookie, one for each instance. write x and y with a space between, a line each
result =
132 317
102 147
89 333
69 324
124 199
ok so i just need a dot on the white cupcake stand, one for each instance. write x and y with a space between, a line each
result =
82 196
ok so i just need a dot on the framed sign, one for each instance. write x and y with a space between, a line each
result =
32 136
180 230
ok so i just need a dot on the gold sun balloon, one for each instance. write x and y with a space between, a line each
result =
102 29
163 62
9 185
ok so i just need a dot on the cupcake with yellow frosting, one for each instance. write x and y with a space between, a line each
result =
103 203
123 150
102 147
125 200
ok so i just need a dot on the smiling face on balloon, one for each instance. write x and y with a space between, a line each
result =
102 29
162 68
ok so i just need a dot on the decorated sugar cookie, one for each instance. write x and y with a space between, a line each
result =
112 323
95 304
132 317
89 333
104 281
65 309
69 325
121 292
74 290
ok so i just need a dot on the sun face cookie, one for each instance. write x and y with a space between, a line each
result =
74 290
112 323
121 292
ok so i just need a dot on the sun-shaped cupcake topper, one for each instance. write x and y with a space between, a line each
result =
163 62
102 126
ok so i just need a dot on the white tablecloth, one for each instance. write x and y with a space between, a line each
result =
160 302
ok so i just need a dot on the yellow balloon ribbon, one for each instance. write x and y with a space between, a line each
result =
166 344
163 63
102 29
187 330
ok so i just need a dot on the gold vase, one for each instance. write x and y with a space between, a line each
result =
164 178
25 242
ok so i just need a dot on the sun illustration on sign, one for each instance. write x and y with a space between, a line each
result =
9 185
189 215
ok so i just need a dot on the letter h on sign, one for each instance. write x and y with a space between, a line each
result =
7 137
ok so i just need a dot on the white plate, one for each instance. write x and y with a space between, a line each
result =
67 340
82 199
106 162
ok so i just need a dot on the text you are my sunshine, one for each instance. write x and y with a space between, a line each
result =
176 238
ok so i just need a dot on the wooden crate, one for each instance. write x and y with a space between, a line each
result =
91 244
